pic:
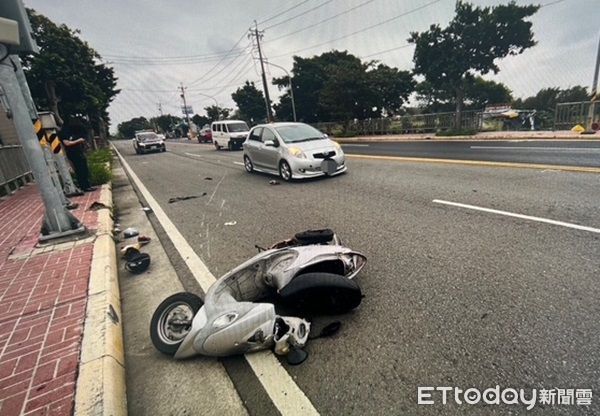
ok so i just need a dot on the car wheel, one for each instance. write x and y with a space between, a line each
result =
248 164
137 150
285 171
164 149
230 146
217 147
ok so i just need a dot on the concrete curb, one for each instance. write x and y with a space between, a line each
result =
101 381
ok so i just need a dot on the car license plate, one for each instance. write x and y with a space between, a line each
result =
328 166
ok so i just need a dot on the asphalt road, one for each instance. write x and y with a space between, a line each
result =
454 296
568 153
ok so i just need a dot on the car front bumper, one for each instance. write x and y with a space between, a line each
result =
310 168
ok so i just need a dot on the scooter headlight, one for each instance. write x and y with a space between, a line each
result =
225 320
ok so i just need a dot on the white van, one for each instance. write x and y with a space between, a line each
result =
229 133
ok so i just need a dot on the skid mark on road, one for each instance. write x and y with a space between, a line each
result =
521 216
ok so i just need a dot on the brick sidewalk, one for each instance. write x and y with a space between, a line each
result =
43 298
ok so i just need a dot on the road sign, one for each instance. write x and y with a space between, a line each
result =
187 110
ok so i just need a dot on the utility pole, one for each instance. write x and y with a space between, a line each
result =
291 88
258 35
187 116
58 222
594 92
160 108
52 159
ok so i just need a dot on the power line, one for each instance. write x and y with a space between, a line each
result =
361 30
165 58
408 44
220 61
321 21
283 12
168 63
387 50
298 15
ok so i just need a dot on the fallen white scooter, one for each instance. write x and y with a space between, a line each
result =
311 273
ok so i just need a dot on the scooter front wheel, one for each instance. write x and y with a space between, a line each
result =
172 321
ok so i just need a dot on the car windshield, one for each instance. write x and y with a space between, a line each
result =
144 137
237 127
295 133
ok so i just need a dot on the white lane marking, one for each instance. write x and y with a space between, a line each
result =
279 385
192 154
566 149
521 216
354 145
215 191
238 163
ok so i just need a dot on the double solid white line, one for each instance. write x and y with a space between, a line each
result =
521 216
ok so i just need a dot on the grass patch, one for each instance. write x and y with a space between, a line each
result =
99 164
459 132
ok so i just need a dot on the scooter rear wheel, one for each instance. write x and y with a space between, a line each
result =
172 321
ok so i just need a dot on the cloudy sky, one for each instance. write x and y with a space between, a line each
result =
154 45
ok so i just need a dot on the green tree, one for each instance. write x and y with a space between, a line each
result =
250 102
200 121
481 92
128 128
475 38
67 77
217 113
337 85
391 87
165 122
547 98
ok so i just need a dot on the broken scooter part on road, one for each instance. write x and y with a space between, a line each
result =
311 273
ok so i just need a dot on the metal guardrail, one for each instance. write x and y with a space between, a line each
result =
568 115
419 123
14 170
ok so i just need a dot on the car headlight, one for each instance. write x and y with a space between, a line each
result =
142 144
297 152
337 145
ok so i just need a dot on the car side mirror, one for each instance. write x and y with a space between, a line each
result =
326 135
270 143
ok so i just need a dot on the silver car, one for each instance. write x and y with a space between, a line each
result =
293 151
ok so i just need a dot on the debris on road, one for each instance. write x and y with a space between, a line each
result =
183 198
130 232
230 223
146 209
273 182
143 240
208 178
97 205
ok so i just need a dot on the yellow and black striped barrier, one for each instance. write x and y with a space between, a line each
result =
54 141
47 138
40 133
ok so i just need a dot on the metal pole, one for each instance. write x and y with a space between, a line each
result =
57 219
216 102
187 116
69 188
594 92
291 87
264 77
